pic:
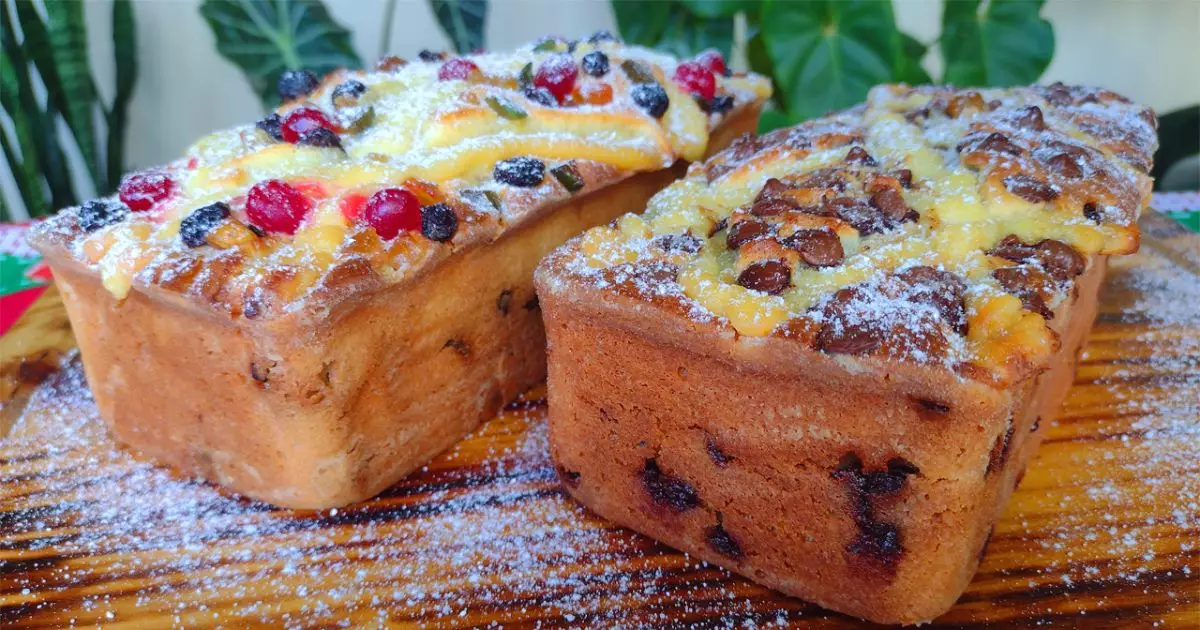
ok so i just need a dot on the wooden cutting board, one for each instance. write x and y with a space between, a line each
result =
1104 531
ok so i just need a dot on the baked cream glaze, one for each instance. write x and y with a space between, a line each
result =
420 126
997 197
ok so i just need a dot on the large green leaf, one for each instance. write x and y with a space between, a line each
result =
828 53
125 56
68 45
670 27
997 42
721 8
907 66
463 21
266 37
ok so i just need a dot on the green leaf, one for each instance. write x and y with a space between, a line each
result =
772 119
828 53
16 97
907 67
125 54
463 22
760 62
266 37
670 27
642 23
1178 138
68 45
999 42
721 8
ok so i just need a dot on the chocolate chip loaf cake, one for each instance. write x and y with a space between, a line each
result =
306 309
820 360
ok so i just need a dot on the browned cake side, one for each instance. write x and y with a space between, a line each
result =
317 418
879 509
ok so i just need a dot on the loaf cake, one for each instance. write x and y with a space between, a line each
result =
305 309
821 359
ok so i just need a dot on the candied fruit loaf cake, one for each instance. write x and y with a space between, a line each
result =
306 309
820 359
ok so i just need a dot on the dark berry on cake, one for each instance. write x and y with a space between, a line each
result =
723 542
194 228
595 63
296 84
438 222
524 172
347 93
99 213
652 98
668 491
271 125
768 276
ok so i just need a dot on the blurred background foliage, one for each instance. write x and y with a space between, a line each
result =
45 79
822 55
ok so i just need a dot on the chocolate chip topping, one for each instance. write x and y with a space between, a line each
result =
768 276
943 290
743 232
1028 284
905 176
1030 189
1092 213
771 207
842 334
668 491
1061 261
859 155
1065 165
818 248
890 202
772 188
861 216
993 143
1031 118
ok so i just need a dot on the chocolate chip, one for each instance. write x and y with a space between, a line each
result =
271 125
993 143
1028 284
861 216
859 155
941 289
1030 189
1065 165
438 222
818 248
461 347
524 172
932 405
1000 449
723 543
296 83
679 243
1011 248
960 103
826 178
1060 260
502 302
890 202
194 228
773 188
771 207
879 542
1031 118
768 276
718 226
843 334
532 304
570 478
321 137
743 232
719 457
905 176
668 491
1092 213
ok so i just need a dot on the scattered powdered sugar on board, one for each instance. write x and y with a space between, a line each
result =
1138 521
482 535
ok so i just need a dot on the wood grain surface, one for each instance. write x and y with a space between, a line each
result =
1104 531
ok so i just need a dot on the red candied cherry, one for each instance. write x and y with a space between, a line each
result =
302 121
392 211
457 68
140 191
557 75
277 206
697 79
713 60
